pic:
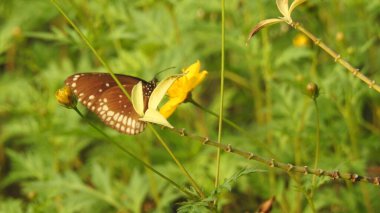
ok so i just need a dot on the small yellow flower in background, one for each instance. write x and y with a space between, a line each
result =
65 97
180 89
300 40
339 36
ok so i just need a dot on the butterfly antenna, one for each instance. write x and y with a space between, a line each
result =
161 71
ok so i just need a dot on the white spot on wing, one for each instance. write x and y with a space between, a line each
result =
133 123
110 113
91 97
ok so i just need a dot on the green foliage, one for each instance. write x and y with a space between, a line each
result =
51 160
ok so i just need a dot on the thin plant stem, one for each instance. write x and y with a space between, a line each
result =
84 38
317 144
126 151
220 123
181 167
371 83
153 182
353 177
232 124
302 189
226 120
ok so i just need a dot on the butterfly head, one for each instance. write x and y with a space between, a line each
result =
149 87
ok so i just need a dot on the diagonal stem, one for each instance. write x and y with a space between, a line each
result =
181 167
126 151
371 83
353 177
232 124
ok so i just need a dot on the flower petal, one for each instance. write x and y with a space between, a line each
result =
169 107
154 116
180 89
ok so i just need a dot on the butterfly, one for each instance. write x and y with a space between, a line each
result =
101 95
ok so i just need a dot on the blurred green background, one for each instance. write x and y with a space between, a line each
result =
52 161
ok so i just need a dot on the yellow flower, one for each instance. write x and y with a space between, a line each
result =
300 40
339 36
180 89
65 97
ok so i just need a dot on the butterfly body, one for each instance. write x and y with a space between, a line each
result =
100 94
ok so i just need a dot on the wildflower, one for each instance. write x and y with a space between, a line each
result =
300 40
180 89
65 97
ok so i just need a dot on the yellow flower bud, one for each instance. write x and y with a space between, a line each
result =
339 36
300 40
65 97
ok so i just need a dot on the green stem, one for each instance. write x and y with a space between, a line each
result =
233 125
220 123
317 142
301 187
353 177
132 155
84 38
226 120
181 167
371 83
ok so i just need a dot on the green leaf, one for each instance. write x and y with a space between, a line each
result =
292 54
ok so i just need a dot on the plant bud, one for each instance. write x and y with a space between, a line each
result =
65 97
312 90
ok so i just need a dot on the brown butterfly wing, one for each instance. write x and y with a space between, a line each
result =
100 94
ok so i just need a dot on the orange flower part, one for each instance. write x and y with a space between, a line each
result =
180 89
300 40
65 97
